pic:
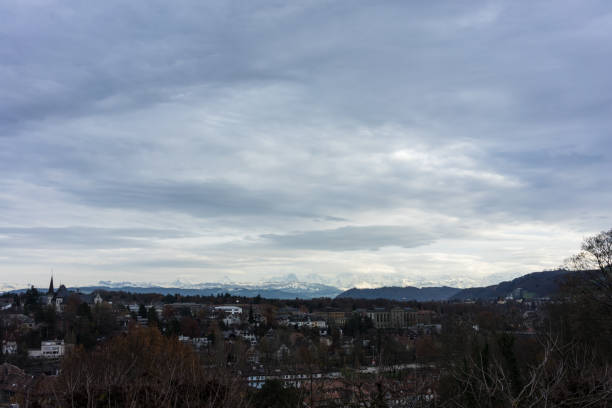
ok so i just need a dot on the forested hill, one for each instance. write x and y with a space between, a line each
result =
537 284
401 293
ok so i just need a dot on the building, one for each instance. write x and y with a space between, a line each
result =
13 382
257 379
51 292
334 318
56 298
233 310
397 317
197 342
305 322
9 347
231 320
249 337
252 355
18 320
49 349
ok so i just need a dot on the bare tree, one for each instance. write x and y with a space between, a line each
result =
566 375
144 368
595 261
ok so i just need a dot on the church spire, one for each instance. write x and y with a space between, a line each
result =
51 291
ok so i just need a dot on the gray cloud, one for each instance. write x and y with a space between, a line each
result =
201 199
156 263
243 123
352 238
83 237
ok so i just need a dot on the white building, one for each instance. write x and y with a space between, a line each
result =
233 310
9 347
321 324
197 342
49 349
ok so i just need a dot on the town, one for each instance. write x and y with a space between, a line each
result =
327 352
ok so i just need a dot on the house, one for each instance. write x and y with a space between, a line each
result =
49 349
93 298
257 379
231 320
282 352
252 355
58 298
19 320
9 347
249 337
13 382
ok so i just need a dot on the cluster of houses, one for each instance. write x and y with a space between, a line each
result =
269 337
59 297
238 324
49 349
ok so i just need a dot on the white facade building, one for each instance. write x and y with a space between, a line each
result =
49 349
233 310
9 347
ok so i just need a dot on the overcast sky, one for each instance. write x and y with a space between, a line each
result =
355 143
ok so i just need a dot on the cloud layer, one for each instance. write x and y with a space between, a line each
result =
357 143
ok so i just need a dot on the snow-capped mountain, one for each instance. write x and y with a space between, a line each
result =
283 286
288 289
7 287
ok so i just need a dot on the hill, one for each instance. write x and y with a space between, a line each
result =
537 284
401 293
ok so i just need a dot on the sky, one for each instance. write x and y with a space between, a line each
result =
354 143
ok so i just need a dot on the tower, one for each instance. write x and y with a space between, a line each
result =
51 291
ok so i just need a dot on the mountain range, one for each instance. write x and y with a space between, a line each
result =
537 284
270 290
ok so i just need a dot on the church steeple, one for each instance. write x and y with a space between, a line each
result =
51 290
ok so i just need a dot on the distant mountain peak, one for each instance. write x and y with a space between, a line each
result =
285 288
